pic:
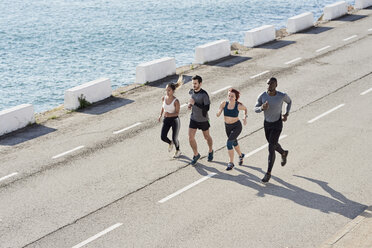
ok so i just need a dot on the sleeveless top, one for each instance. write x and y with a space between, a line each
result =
231 112
170 108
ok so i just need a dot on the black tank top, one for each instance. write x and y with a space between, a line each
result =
231 112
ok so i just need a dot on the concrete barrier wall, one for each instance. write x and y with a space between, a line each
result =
335 10
16 118
155 70
259 36
93 91
300 22
362 4
212 51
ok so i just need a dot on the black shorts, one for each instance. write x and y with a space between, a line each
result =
204 126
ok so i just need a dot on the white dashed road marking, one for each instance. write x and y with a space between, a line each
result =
127 128
260 74
351 37
365 92
9 176
321 49
186 188
65 153
326 113
293 60
218 91
261 147
97 235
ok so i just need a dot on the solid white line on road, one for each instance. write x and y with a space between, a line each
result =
217 91
321 49
186 188
8 176
351 37
365 92
292 61
65 153
127 128
326 113
262 147
183 105
259 74
97 235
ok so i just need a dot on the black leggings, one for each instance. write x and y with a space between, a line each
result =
169 122
232 131
272 133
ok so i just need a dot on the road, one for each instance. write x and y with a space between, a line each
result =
103 178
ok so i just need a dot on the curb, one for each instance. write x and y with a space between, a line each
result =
351 231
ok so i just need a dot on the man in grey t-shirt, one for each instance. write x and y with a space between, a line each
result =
199 104
271 102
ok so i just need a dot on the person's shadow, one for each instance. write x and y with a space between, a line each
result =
337 203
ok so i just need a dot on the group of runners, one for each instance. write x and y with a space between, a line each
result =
270 102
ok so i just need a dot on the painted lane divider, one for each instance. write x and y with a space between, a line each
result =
323 48
127 128
111 228
218 91
260 74
9 176
293 60
365 92
187 188
326 113
262 147
351 37
70 151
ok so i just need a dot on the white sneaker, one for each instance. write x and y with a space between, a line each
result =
170 147
177 153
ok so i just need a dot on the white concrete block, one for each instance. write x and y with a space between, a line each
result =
300 22
16 118
155 70
362 4
259 36
212 51
335 10
93 91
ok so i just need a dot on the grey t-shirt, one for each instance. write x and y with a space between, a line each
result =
201 99
273 113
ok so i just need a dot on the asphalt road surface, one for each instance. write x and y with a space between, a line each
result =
103 178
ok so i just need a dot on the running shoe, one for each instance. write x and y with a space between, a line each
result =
266 178
195 159
241 159
177 153
210 156
170 147
230 166
284 157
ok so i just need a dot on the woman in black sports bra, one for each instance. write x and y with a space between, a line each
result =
233 125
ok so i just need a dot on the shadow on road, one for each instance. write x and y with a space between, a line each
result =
277 44
25 134
315 30
337 203
350 18
106 105
229 61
